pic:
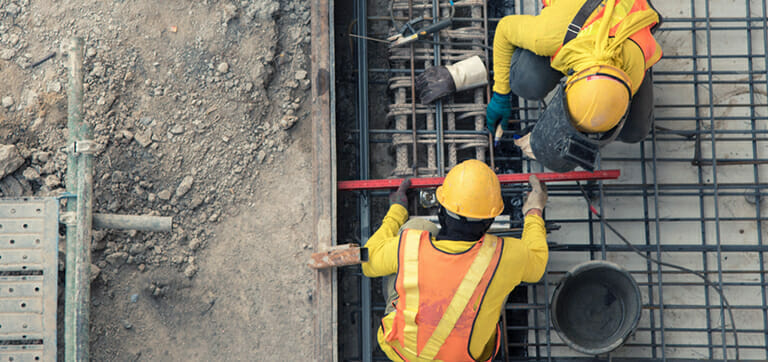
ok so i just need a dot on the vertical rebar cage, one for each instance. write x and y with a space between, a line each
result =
690 194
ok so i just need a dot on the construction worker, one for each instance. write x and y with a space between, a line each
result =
448 287
605 48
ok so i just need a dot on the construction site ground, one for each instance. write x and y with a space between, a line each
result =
201 112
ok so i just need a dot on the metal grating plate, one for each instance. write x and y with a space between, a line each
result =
28 278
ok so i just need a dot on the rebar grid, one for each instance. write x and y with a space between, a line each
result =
435 153
690 194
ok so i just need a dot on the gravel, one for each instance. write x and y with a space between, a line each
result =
184 186
164 195
222 68
10 160
117 259
7 101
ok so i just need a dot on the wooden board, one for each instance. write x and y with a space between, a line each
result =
324 173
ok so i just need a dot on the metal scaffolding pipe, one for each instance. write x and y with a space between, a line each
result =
79 181
133 222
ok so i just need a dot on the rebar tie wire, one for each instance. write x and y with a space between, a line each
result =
667 264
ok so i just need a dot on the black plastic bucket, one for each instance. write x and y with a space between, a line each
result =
596 307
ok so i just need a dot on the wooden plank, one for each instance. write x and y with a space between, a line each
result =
324 172
340 255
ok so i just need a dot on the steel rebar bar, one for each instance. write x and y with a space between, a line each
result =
133 222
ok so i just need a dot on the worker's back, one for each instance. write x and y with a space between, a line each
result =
444 267
449 293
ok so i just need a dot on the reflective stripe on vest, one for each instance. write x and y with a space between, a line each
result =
411 286
404 335
643 38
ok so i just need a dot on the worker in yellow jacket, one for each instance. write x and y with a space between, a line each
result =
448 287
604 47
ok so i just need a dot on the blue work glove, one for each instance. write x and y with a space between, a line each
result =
499 110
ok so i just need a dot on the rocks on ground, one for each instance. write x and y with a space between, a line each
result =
184 186
182 131
10 160
223 67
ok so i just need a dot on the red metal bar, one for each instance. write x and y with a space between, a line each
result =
417 183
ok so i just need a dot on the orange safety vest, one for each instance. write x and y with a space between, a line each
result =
643 38
439 296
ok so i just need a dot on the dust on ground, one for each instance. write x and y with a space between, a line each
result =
200 112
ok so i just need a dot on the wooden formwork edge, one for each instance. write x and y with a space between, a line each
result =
324 172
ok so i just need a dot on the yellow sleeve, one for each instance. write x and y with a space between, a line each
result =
382 245
508 37
542 34
633 63
535 240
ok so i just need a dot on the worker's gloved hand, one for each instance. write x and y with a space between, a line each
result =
537 198
399 196
525 145
499 111
434 83
438 82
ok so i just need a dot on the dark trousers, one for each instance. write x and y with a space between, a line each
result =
531 77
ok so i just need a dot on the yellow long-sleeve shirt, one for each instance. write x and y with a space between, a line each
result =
543 34
522 260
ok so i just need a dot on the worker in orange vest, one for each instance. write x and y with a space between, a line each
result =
448 287
604 47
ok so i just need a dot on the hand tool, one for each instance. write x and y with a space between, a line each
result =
408 34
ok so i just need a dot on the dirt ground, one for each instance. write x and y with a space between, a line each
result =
201 112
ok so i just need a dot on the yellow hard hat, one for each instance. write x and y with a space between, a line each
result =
597 98
471 189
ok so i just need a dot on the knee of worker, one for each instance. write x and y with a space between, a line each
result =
636 128
641 115
531 76
530 89
420 224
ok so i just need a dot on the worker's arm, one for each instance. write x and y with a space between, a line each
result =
541 34
508 37
535 240
382 246
534 236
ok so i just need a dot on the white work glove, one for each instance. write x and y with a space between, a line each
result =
438 82
525 145
468 73
537 198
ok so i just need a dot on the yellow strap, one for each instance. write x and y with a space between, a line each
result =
635 22
411 286
460 299
602 33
